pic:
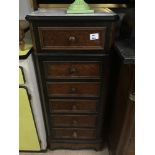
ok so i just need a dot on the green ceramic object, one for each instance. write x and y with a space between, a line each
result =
79 6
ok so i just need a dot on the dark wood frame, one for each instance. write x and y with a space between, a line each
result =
96 144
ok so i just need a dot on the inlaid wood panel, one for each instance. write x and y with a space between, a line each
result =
73 120
73 133
72 106
72 69
72 38
73 89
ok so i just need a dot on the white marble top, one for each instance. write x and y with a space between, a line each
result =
62 12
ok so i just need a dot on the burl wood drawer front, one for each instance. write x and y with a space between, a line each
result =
72 106
73 120
76 38
73 89
74 133
72 69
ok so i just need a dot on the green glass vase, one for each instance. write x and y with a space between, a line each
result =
79 6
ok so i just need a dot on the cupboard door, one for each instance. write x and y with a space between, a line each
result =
28 138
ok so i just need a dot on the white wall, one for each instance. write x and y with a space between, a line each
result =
25 7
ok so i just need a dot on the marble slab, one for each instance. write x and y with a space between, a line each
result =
62 12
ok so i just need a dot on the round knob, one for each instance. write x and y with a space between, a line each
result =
73 90
74 122
72 38
72 70
74 107
74 134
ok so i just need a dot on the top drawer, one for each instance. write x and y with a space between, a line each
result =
72 38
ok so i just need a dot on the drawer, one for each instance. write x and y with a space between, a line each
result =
72 106
72 69
77 38
74 120
73 89
73 133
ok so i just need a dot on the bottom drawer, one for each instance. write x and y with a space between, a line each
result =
73 133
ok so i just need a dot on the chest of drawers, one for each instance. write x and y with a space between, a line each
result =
72 64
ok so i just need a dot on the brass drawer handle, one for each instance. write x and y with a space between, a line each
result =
72 70
72 38
74 134
73 90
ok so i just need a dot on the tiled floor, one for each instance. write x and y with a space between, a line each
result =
69 152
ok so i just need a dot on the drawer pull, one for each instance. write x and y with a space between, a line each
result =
74 134
73 90
72 39
72 70
74 107
74 123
